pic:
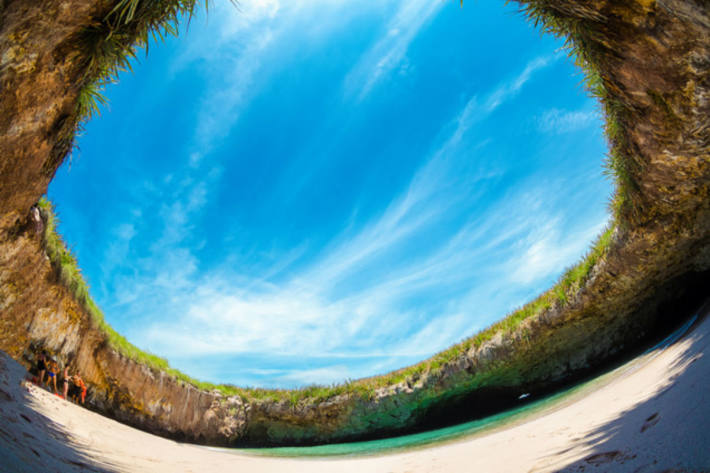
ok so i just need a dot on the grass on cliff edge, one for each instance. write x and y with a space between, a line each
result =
69 275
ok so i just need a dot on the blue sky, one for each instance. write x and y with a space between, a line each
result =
310 191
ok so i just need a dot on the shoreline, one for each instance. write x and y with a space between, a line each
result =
649 417
471 430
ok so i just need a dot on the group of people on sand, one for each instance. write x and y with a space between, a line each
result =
73 387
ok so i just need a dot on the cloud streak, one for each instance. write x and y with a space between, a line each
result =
389 51
557 121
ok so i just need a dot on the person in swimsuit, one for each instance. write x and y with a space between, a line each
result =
74 390
77 389
65 382
41 368
83 392
52 369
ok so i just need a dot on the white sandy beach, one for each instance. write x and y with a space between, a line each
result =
652 418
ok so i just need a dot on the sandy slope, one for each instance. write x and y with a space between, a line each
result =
652 418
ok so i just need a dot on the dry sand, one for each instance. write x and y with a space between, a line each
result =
653 417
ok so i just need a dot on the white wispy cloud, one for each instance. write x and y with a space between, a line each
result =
234 52
245 42
564 121
415 207
389 52
510 89
226 100
548 248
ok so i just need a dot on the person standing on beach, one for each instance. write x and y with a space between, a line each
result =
65 382
41 368
78 389
52 369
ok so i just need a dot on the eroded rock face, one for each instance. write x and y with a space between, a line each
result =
654 60
40 77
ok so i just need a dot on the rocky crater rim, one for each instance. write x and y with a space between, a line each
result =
645 60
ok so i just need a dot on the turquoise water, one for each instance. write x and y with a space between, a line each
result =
488 424
421 439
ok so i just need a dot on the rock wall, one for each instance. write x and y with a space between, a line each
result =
654 60
37 312
40 77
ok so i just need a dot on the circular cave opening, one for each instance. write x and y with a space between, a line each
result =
300 205
270 204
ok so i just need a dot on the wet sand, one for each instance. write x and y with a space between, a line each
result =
653 417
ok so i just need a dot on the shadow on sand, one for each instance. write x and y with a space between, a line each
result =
638 441
642 439
30 441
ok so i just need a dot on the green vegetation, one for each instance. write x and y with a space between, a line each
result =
586 50
571 281
69 275
111 42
